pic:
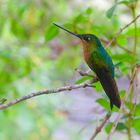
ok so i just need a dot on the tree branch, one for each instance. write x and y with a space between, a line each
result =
82 73
99 128
121 47
51 91
122 29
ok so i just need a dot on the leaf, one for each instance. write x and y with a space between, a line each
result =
81 18
125 57
130 31
137 110
126 2
121 126
104 103
89 11
110 12
121 40
136 125
98 86
51 32
122 94
83 79
108 127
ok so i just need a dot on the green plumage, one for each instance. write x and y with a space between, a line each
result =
100 62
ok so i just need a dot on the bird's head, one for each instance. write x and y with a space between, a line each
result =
86 39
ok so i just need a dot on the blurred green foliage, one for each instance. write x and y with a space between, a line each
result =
33 58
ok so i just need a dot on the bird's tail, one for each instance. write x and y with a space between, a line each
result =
111 104
110 87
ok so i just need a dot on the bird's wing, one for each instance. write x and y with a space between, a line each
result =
109 85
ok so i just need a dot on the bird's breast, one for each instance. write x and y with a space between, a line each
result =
87 55
92 59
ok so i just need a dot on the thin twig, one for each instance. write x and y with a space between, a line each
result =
121 47
125 49
51 91
136 93
99 128
133 8
82 73
122 29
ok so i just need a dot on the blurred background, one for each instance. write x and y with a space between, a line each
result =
36 55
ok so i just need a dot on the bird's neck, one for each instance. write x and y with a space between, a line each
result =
88 49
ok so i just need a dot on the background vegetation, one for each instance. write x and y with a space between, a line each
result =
35 55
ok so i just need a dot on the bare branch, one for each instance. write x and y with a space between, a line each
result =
115 124
122 29
51 91
82 73
99 128
121 47
125 49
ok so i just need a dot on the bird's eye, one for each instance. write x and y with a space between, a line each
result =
88 38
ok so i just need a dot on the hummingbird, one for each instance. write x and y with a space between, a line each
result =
101 63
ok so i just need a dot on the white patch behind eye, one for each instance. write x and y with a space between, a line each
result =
88 38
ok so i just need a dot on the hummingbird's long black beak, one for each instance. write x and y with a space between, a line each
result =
68 31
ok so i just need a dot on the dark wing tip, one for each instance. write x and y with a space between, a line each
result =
116 103
111 104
